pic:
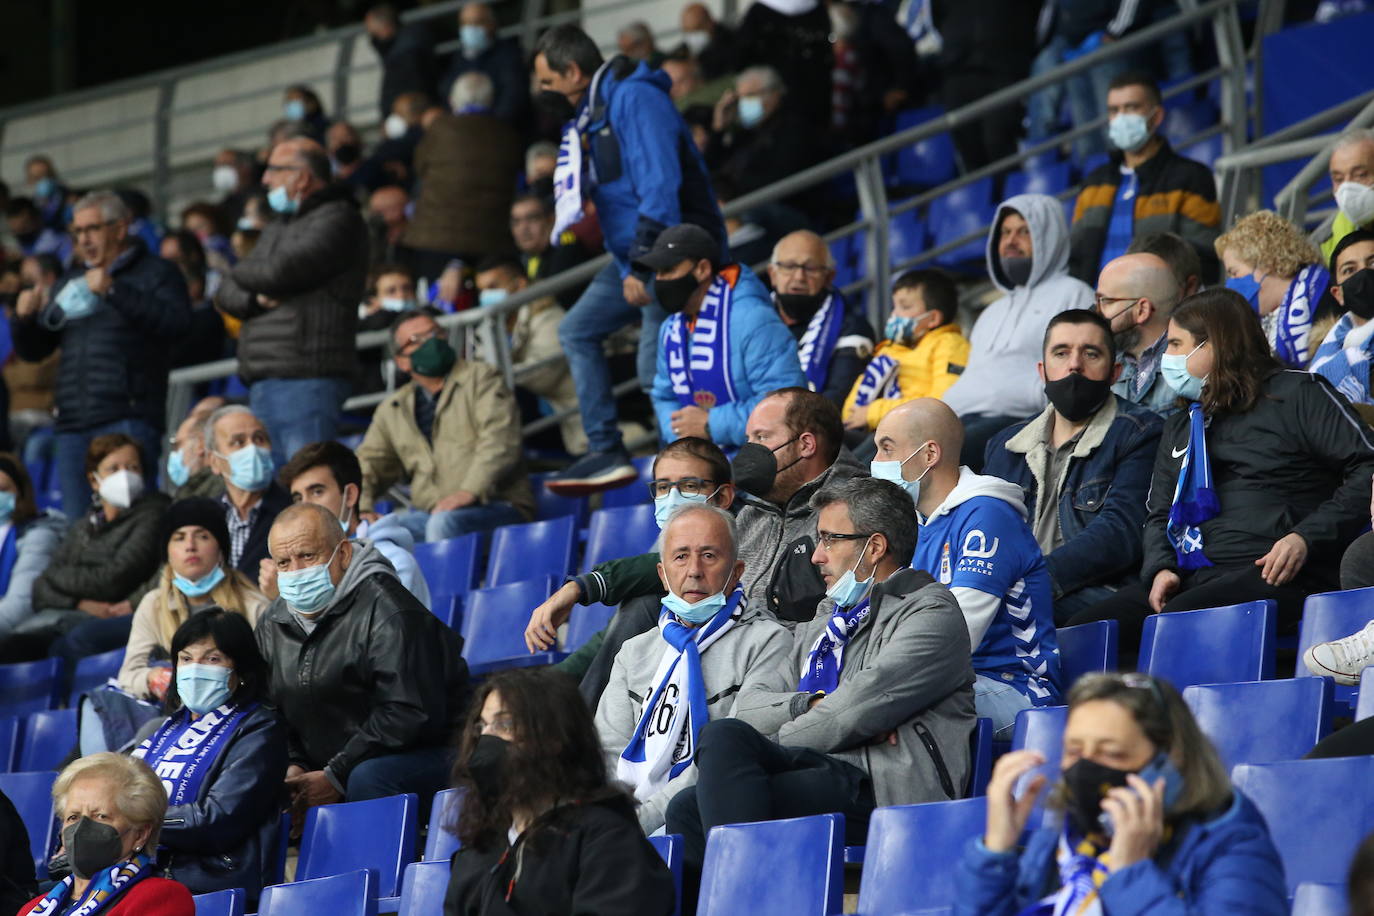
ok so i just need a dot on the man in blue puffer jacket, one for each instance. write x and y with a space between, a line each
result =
628 151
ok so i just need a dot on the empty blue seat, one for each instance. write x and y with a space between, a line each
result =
31 794
1318 812
670 849
93 671
548 504
1184 120
980 757
494 622
439 842
422 892
976 195
957 225
1262 721
1092 162
29 686
353 893
378 835
586 621
523 552
906 238
1206 151
913 853
9 742
1312 899
1333 615
220 903
926 163
634 492
1086 648
620 531
801 857
1219 645
46 739
846 261
448 566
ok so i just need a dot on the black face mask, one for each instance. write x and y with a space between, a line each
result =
755 467
487 766
91 847
1077 397
348 154
800 307
553 107
673 294
1358 292
1088 783
27 238
1017 270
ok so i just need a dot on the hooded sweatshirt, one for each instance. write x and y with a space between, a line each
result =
395 542
1000 378
978 543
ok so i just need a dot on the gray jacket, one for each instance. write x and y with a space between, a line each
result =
907 671
751 657
37 542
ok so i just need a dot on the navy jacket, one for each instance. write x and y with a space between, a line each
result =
505 63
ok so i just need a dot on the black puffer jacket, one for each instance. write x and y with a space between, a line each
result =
114 361
314 264
105 561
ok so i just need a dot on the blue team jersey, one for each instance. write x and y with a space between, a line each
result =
985 544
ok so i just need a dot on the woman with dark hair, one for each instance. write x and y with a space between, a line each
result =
1259 484
542 830
28 540
221 755
1150 824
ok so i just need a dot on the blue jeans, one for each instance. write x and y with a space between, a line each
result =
298 411
1087 93
995 699
1066 606
71 460
597 314
424 771
440 526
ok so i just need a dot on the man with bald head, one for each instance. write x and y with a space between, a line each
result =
371 685
975 539
1136 294
833 340
711 44
297 295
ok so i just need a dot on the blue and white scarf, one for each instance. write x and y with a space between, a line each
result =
703 380
102 891
1195 501
879 380
818 343
664 742
1083 869
183 751
574 173
1345 367
1294 317
821 671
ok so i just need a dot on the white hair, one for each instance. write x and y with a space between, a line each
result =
732 529
1354 136
108 202
213 421
540 150
772 82
472 89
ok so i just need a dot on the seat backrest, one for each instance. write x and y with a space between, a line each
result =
220 903
1318 812
1312 899
1364 700
1219 645
47 738
494 619
669 847
1332 615
913 852
980 756
352 893
449 565
439 842
520 552
1086 648
636 491
29 686
31 794
586 621
621 531
804 857
9 742
1262 721
1041 729
548 504
378 834
422 892
93 671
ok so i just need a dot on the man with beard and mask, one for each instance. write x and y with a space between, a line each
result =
1084 464
1028 257
1136 294
370 684
1352 181
406 53
1343 357
452 432
1144 188
975 539
722 347
833 341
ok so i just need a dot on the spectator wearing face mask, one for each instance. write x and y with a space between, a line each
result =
240 452
234 179
29 537
406 51
188 464
792 37
1352 181
1343 357
712 44
501 60
758 136
46 191
303 108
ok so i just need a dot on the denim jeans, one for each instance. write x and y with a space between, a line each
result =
1066 606
999 701
440 526
298 411
597 314
71 460
423 771
1087 94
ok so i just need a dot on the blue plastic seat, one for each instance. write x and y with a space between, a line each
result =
913 852
523 552
1312 899
1093 161
378 834
449 609
959 224
1364 703
46 739
220 903
621 531
352 893
93 671
1206 151
980 757
1318 812
494 622
906 238
634 492
1086 649
548 504
927 163
586 621
670 849
448 566
1041 729
1219 645
9 742
31 794
1044 179
1262 721
422 892
1333 615
29 686
976 195
803 858
439 842
846 261
1184 120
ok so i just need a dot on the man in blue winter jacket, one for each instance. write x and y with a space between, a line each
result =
628 151
722 347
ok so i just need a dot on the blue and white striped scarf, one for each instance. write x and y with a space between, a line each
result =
1083 868
818 343
102 892
821 670
879 380
1195 500
574 172
1294 317
699 370
1347 368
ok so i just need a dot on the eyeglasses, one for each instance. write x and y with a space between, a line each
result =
790 267
828 538
282 168
79 231
1100 300
412 343
687 486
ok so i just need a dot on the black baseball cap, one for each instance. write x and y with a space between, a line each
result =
686 242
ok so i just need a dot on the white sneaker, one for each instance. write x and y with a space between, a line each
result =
1343 659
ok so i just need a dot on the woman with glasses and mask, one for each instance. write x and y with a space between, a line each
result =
542 829
1144 820
1260 482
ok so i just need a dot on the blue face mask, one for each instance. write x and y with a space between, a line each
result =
474 38
177 471
1174 368
668 503
6 506
308 590
44 188
492 296
203 688
250 468
750 110
899 329
294 110
197 588
1248 287
77 300
1128 132
892 471
697 613
847 590
392 304
281 202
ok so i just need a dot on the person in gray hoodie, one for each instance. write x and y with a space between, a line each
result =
877 705
1028 260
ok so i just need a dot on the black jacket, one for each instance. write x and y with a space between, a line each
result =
378 675
105 561
228 836
581 858
408 63
17 886
114 361
274 500
315 264
505 63
1299 461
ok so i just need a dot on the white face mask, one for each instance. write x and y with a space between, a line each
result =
1356 202
225 179
394 126
121 488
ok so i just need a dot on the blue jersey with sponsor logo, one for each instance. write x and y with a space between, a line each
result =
985 544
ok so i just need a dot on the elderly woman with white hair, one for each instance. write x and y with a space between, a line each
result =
111 808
